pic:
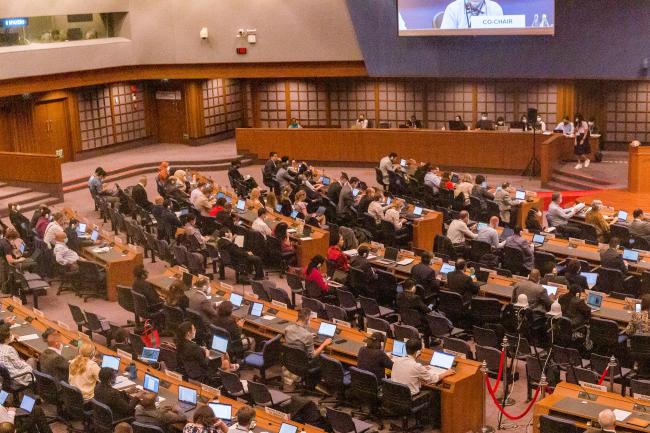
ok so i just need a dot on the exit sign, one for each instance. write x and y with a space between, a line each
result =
242 50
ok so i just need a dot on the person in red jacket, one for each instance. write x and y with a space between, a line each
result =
313 273
335 254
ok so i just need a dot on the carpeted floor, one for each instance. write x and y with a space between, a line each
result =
56 306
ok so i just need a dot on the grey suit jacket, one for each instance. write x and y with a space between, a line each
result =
200 303
640 228
346 199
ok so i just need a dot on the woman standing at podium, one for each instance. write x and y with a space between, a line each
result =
582 148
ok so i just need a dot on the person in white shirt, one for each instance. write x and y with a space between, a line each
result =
459 13
259 225
540 125
408 371
18 368
558 217
432 180
54 227
392 214
489 233
361 122
386 164
377 208
458 230
201 201
64 255
565 126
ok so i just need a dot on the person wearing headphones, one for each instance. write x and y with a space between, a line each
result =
459 13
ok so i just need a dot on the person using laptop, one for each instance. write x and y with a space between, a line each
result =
464 187
360 261
392 215
489 234
573 277
299 335
15 365
218 207
484 123
33 422
517 242
538 299
595 218
558 217
119 402
346 197
226 242
458 231
574 307
640 321
204 421
639 227
408 371
225 320
386 164
165 417
432 179
505 202
199 300
459 282
372 357
193 358
226 217
245 417
408 301
281 232
611 258
259 225
377 208
425 276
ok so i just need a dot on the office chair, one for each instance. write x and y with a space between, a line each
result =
457 345
553 424
485 310
139 427
265 397
295 284
513 260
102 419
397 400
72 409
342 422
267 357
335 378
298 362
232 386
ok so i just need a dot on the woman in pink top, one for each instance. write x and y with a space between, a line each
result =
313 273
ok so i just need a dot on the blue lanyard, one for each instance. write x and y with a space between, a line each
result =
469 11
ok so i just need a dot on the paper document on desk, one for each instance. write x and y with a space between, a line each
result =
291 230
267 317
99 250
405 262
621 415
306 238
371 256
28 337
122 382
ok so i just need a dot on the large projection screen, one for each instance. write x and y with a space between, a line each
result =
475 17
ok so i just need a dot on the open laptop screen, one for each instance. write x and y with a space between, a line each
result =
442 360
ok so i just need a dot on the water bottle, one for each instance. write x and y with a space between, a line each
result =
535 21
545 21
132 371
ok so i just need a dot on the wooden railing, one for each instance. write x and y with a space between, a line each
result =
38 171
557 148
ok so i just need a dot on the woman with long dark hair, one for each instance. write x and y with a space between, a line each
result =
582 148
313 273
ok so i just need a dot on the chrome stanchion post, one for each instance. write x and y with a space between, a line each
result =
542 385
611 366
484 427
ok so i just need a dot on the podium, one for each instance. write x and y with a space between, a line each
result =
638 178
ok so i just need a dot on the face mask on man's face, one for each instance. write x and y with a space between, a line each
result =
483 117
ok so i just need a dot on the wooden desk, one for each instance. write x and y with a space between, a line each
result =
526 206
265 421
461 396
637 178
565 403
486 150
426 228
119 262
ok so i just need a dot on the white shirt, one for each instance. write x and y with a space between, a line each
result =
194 195
50 233
489 234
458 232
458 17
376 209
392 215
260 226
407 371
64 255
432 180
362 124
386 165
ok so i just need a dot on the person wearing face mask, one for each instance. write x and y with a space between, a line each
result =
582 148
525 125
459 13
408 371
65 256
540 125
50 361
17 367
361 122
42 222
484 123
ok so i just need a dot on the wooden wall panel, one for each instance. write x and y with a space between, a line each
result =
33 168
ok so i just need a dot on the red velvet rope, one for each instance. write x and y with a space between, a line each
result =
602 376
503 411
501 362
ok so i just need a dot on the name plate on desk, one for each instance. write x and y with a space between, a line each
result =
549 236
124 354
641 397
38 313
205 389
277 413
63 325
175 375
456 354
343 323
407 253
593 386
573 242
279 304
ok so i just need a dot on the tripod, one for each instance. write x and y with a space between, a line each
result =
532 169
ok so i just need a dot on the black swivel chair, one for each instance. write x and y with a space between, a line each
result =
553 424
298 362
397 400
102 419
335 378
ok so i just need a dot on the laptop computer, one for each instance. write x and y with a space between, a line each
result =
26 405
417 213
111 362
389 200
441 362
520 194
355 192
482 275
94 235
445 269
288 428
149 354
594 301
187 279
256 309
151 383
294 214
241 206
186 398
22 247
622 216
81 230
538 240
631 255
220 195
390 256
278 208
455 125
550 290
325 180
591 277
222 411
236 300
480 226
399 348
3 397
325 330
218 347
